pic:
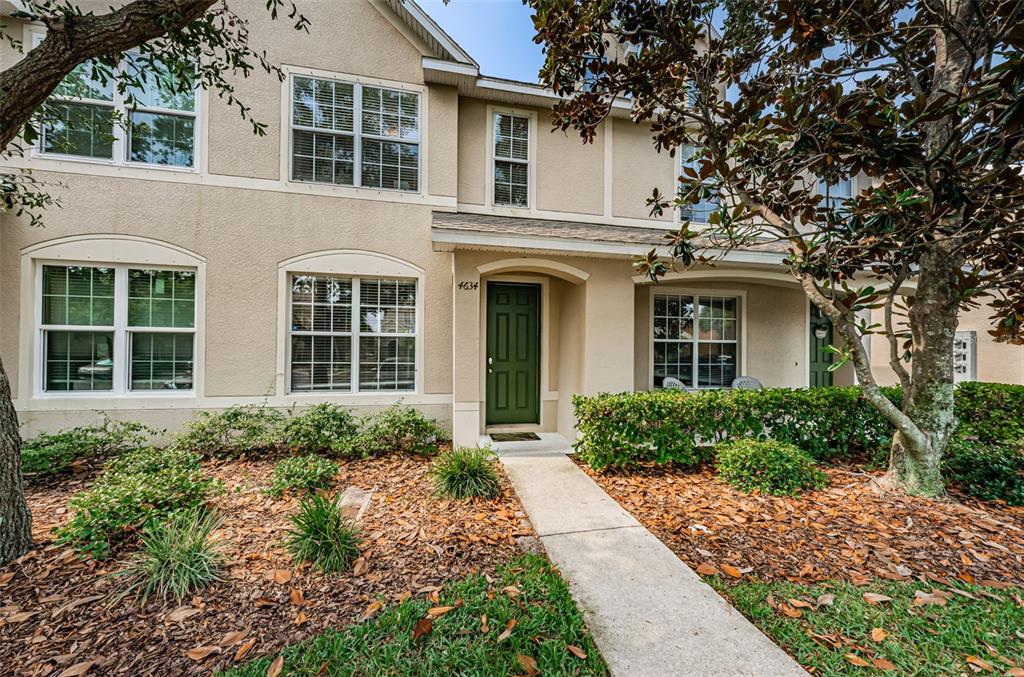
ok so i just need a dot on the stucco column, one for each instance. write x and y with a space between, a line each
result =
608 337
466 290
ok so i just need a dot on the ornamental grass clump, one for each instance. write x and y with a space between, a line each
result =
322 536
767 466
465 472
302 474
178 557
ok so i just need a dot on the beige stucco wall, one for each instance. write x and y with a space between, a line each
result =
994 362
773 344
637 169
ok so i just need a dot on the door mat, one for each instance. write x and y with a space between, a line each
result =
514 437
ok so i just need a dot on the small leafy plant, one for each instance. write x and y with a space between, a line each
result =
399 428
53 453
302 473
232 432
991 472
768 466
322 535
322 428
178 556
141 488
465 472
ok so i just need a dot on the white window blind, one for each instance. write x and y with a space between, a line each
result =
511 160
378 148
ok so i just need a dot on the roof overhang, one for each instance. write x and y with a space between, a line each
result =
452 231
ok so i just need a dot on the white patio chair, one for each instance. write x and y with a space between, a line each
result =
746 383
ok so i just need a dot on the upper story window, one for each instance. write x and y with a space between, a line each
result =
511 160
350 134
696 340
699 212
116 328
90 119
835 194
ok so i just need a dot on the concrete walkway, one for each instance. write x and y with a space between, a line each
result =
649 613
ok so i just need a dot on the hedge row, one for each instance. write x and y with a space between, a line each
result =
620 430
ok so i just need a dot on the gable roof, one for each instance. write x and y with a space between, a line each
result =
430 32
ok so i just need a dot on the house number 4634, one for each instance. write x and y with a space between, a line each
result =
469 286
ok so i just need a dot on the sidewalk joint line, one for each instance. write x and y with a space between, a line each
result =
587 531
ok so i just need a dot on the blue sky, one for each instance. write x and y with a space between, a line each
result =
497 33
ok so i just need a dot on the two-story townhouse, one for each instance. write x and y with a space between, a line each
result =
409 230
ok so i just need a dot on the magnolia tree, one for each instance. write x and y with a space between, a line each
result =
922 99
174 45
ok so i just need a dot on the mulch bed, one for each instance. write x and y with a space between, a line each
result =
58 611
852 530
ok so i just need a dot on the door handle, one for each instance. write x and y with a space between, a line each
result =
490 360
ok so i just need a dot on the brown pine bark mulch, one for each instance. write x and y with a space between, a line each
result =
58 612
851 530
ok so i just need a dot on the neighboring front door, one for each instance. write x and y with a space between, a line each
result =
821 360
513 353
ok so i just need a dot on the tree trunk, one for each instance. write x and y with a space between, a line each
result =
917 464
15 519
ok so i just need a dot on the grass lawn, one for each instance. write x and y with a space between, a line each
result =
522 622
972 629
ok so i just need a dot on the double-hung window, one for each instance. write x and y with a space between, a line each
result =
698 212
696 340
352 334
350 134
117 328
834 195
153 124
511 160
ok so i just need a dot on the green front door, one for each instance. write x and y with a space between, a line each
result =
821 360
513 353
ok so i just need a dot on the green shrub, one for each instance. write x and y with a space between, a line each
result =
675 426
322 535
465 472
627 429
232 432
399 428
142 487
987 471
51 453
302 473
992 412
768 466
322 427
177 558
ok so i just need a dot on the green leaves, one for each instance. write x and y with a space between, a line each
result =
768 466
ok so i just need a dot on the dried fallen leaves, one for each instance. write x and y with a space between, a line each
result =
58 617
850 530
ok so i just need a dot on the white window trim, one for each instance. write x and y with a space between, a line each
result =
356 265
287 112
120 147
531 193
120 253
741 337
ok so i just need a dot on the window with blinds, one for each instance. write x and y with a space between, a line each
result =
350 134
511 160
